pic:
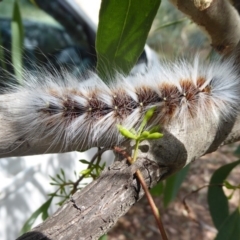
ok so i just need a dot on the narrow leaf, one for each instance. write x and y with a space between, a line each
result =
155 129
237 151
173 184
86 172
230 229
157 190
149 114
2 60
84 161
41 210
17 41
171 23
103 237
228 185
155 135
125 132
217 200
122 32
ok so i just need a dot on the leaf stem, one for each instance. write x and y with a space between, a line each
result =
135 151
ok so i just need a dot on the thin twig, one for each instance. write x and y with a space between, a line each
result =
95 156
148 195
153 205
186 207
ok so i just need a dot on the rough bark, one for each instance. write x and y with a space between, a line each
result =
96 208
217 17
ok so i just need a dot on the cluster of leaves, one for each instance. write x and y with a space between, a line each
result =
65 188
141 135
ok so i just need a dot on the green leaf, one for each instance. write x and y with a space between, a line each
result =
54 184
228 185
149 114
146 118
59 177
155 129
41 210
125 132
237 151
217 200
173 184
17 41
231 194
157 190
171 23
2 60
122 32
155 135
84 161
230 228
86 172
62 172
144 134
54 179
103 237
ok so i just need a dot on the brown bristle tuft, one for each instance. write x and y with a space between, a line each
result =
171 97
147 96
97 108
72 109
123 104
190 92
200 81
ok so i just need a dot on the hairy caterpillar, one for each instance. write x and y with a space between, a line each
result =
86 112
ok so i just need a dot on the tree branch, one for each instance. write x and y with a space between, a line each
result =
96 208
218 18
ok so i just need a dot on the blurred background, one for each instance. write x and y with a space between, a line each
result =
61 34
